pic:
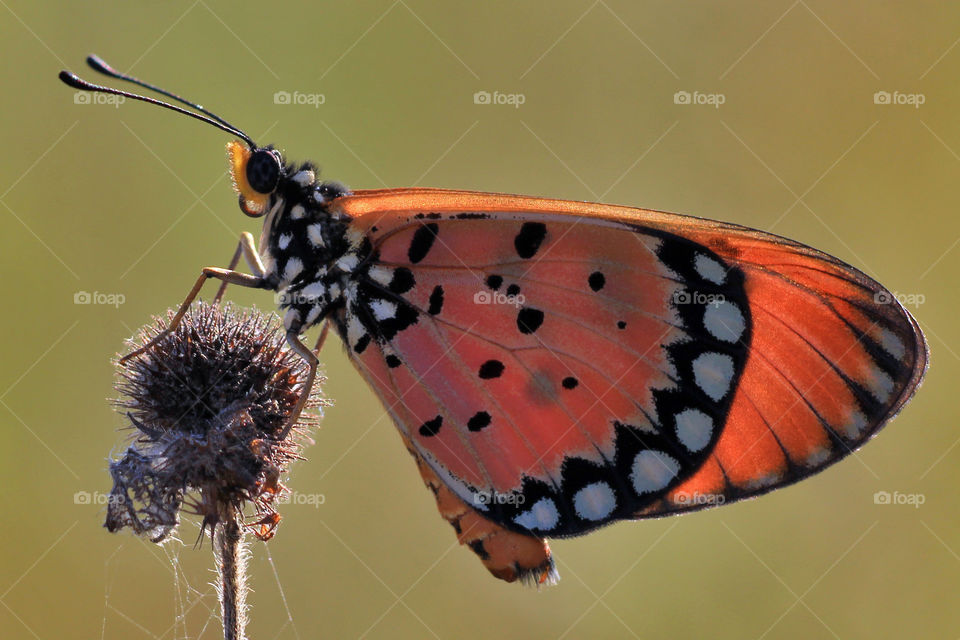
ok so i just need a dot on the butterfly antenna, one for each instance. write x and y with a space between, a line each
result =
72 80
100 65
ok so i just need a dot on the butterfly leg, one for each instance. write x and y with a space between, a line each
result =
227 276
293 339
247 248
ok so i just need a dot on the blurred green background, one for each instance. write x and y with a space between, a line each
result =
130 200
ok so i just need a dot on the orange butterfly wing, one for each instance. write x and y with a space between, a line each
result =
705 363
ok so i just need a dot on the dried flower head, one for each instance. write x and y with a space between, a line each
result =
209 403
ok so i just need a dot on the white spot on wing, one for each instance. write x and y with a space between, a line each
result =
881 385
355 330
595 501
380 275
713 373
348 262
652 471
817 457
892 343
855 426
542 516
709 269
354 237
724 321
383 309
694 429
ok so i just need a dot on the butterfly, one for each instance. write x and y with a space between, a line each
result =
554 366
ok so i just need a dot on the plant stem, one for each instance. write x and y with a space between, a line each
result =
230 552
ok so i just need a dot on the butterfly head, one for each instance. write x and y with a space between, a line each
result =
256 174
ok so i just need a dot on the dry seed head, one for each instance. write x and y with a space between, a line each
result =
208 402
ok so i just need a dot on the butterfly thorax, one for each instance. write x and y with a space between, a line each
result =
307 249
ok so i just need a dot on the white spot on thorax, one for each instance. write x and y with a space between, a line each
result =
313 314
315 233
292 269
595 501
284 240
314 293
297 212
709 269
304 178
713 373
652 471
724 321
291 319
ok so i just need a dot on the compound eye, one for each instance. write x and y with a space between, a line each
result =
263 171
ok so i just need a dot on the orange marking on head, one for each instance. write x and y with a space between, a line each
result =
237 155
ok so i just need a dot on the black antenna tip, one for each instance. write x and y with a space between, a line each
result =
71 80
99 64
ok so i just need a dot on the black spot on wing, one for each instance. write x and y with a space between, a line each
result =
477 547
529 320
529 239
596 280
479 420
621 324
431 427
436 301
513 290
402 280
393 361
362 343
491 369
570 382
422 242
494 282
